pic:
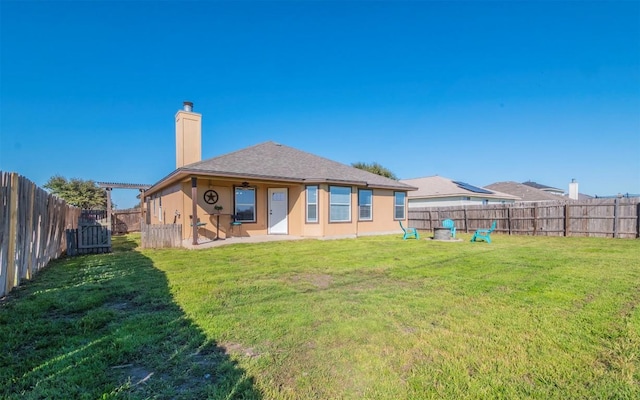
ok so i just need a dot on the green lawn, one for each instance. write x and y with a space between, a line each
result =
374 317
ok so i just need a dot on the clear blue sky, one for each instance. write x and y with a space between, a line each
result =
474 91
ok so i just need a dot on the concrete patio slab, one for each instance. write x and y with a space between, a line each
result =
205 243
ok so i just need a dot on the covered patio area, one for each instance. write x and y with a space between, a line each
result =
205 243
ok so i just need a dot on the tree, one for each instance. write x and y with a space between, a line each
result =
78 192
376 169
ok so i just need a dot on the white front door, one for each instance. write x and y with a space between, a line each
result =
278 209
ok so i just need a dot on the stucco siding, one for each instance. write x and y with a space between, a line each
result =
383 214
177 208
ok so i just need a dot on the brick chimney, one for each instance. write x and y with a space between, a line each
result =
188 135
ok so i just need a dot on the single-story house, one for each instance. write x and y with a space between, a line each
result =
270 189
572 194
438 191
526 193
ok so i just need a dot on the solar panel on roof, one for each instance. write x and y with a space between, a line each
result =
472 188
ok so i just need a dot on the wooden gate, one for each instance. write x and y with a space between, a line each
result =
92 236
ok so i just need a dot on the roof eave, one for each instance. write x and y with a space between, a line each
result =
244 176
174 176
359 183
407 188
181 173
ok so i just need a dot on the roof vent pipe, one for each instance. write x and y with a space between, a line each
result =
187 106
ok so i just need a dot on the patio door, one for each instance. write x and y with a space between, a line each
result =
278 209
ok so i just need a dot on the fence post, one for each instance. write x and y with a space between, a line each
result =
535 219
466 223
567 223
638 220
616 217
32 200
13 227
509 219
109 211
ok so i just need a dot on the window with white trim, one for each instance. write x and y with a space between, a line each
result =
312 204
365 202
245 204
399 205
339 204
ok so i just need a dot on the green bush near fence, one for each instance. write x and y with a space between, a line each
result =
375 317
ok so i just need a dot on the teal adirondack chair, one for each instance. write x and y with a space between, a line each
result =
484 234
447 223
409 232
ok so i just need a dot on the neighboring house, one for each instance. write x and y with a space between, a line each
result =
544 188
437 191
271 189
526 193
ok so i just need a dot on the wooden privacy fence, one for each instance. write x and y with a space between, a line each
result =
617 218
125 221
32 229
93 235
161 236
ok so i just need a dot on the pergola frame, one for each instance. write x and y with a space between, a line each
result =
109 186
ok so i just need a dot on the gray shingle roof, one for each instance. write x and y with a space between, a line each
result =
278 162
582 196
439 186
540 186
525 192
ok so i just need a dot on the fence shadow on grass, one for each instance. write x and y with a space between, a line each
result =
106 326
